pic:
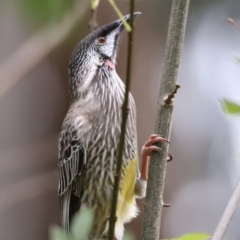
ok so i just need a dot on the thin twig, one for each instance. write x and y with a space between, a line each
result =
93 21
228 214
157 166
115 7
233 23
34 50
112 219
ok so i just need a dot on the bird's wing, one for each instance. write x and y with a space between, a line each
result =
72 159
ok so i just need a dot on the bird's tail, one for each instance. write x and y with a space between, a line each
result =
65 207
70 204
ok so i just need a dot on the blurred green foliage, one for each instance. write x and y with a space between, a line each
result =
80 228
192 236
44 11
230 107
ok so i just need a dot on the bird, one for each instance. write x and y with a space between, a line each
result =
89 137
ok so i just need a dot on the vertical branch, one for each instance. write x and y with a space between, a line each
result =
228 214
168 87
93 21
112 218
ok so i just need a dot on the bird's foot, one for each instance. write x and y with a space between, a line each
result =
146 152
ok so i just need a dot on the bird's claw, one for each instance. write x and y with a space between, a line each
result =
146 151
148 147
161 139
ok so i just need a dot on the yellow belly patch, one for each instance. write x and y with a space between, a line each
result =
127 209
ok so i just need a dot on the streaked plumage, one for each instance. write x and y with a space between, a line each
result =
90 133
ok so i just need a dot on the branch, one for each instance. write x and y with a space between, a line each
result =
34 50
118 12
228 214
230 20
112 218
93 21
168 87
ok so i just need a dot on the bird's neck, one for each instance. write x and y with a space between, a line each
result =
101 82
109 86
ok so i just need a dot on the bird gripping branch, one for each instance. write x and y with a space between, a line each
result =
89 138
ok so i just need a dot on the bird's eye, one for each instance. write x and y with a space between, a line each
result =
102 40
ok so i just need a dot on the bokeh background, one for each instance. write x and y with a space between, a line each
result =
37 39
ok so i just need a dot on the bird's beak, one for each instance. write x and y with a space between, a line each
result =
116 26
119 27
127 18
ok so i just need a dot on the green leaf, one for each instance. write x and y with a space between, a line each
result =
230 107
82 224
169 239
195 236
57 233
237 59
128 236
192 236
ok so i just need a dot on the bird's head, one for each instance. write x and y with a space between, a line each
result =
98 49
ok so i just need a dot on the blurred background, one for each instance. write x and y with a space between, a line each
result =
37 39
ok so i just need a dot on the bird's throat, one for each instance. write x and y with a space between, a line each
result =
110 64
